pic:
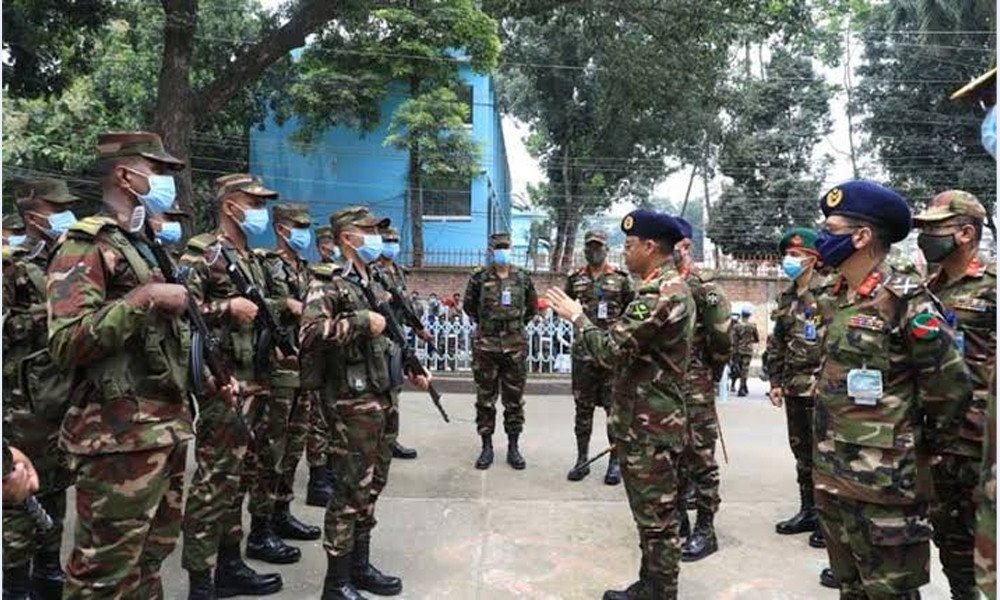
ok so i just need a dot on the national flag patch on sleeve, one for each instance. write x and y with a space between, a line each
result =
925 326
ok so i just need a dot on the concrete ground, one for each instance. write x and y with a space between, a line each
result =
456 533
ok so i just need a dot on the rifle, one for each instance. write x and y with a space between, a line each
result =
395 332
206 348
576 471
269 334
400 304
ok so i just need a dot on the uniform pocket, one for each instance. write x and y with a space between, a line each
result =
899 531
866 433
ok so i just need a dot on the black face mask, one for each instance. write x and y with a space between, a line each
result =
595 256
936 247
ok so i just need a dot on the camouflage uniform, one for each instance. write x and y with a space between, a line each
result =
604 296
986 508
710 352
500 307
745 335
648 351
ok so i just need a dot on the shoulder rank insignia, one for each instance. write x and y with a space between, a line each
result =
639 311
712 298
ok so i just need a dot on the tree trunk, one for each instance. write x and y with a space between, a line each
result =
687 194
848 87
569 241
565 214
174 117
415 192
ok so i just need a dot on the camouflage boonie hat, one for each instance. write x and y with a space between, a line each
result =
324 231
596 235
389 234
500 238
296 212
51 190
242 182
14 222
953 203
358 216
136 143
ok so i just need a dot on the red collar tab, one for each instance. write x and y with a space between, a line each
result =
870 284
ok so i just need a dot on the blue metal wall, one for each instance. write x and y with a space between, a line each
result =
344 168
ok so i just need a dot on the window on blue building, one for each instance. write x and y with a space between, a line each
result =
447 197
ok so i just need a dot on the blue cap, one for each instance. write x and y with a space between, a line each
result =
686 228
745 312
652 225
871 202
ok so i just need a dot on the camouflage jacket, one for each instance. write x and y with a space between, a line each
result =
970 305
648 350
890 330
287 277
794 348
135 361
500 307
612 288
712 345
745 335
986 511
25 325
205 270
340 356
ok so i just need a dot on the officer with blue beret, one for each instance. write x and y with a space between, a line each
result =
889 390
648 350
686 228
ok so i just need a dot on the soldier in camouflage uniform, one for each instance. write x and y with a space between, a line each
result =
13 230
966 284
226 467
794 352
711 348
500 299
32 413
287 276
604 292
169 230
113 320
648 350
320 480
349 361
891 387
745 336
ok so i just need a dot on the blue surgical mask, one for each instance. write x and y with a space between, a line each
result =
299 239
501 257
60 222
161 194
988 133
793 266
17 240
255 221
390 250
371 249
169 233
834 249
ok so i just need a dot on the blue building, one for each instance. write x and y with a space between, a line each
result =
345 168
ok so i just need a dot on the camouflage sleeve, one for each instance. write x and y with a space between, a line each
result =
944 385
756 334
215 310
15 319
83 325
776 346
471 302
628 291
657 317
530 299
715 319
325 322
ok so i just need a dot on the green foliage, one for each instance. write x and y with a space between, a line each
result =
434 123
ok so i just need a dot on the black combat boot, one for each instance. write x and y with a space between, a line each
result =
702 541
401 451
16 583
685 522
320 487
286 526
582 450
828 580
614 474
816 539
366 577
633 592
804 520
200 586
234 578
514 457
659 590
486 454
337 584
47 576
263 544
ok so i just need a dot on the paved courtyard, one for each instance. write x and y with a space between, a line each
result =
456 533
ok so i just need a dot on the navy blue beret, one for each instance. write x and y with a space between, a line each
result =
871 202
652 225
686 229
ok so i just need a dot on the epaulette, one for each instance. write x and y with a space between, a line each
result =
89 227
13 252
904 284
201 242
325 270
265 253
991 269
476 271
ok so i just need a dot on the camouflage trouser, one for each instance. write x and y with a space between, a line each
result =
21 540
799 414
953 514
262 465
367 521
698 466
128 508
877 552
220 449
741 370
318 438
503 374
591 388
356 431
299 425
650 476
